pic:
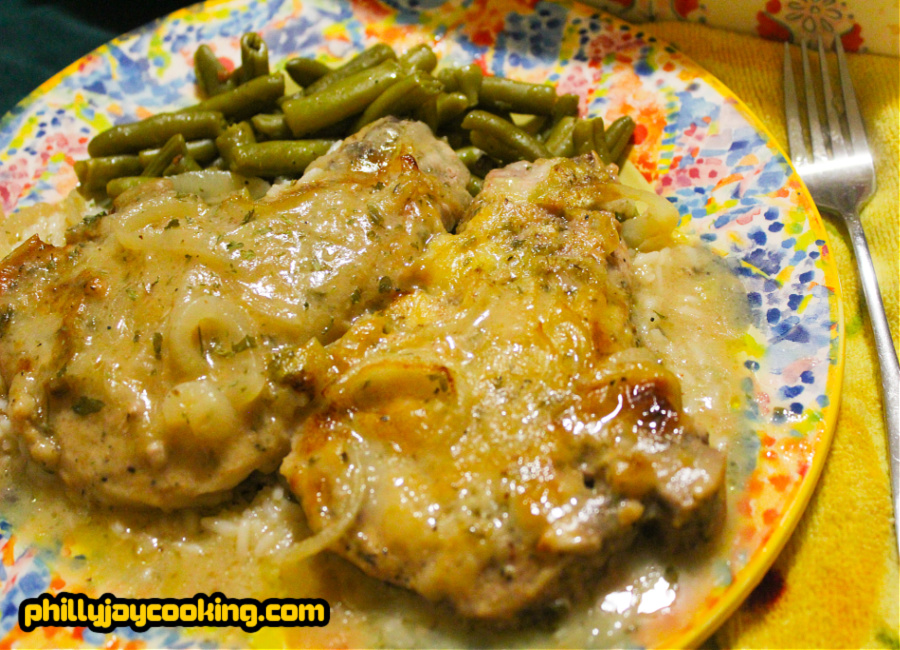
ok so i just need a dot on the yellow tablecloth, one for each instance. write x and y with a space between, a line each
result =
836 584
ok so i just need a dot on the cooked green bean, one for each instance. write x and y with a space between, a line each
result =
277 157
468 156
466 80
370 58
476 160
455 135
155 132
182 164
450 106
339 100
306 71
534 125
589 136
559 141
472 112
244 155
621 126
495 148
254 57
174 148
233 139
427 112
117 186
338 130
566 105
401 98
599 139
583 137
471 79
203 151
617 136
281 100
527 146
499 94
449 77
211 74
419 57
271 125
255 96
94 173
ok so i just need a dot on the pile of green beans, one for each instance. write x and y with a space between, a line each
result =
247 124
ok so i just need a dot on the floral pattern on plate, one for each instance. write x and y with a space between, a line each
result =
696 144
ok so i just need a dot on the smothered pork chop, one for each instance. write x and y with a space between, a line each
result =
151 360
497 432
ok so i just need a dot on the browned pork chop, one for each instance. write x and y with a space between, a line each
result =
496 429
152 360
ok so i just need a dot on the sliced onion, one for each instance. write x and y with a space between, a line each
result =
215 186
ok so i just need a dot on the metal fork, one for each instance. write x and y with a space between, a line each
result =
840 176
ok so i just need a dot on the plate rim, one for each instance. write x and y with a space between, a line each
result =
766 555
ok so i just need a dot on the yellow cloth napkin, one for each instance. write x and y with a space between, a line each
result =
835 585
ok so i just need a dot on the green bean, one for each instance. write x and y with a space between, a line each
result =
498 94
401 98
306 71
254 57
450 106
370 58
467 80
559 141
494 147
94 173
255 96
233 139
117 186
334 104
471 79
599 139
617 136
476 160
565 105
277 157
338 130
527 146
534 125
468 156
244 155
174 148
272 126
203 151
456 136
449 77
583 137
182 164
339 100
155 132
211 74
427 113
420 57
621 126
589 136
281 100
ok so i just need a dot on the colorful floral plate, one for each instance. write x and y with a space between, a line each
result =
696 144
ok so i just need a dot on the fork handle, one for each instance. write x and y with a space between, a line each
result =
887 357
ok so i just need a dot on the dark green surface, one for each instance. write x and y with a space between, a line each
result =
38 38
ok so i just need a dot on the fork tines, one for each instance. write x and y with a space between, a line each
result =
834 136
